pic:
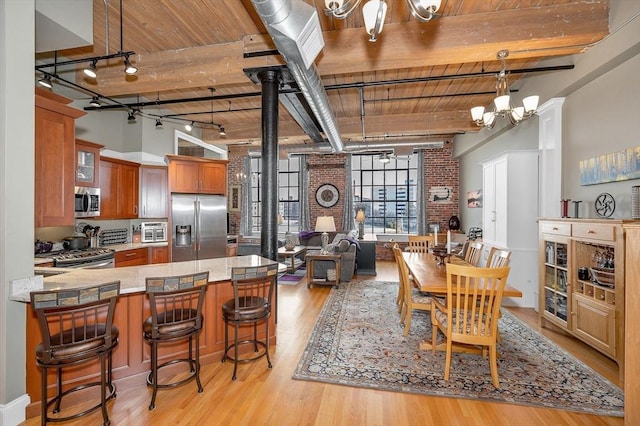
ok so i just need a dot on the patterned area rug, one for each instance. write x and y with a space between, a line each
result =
358 341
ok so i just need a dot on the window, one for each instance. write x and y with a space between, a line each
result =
386 192
288 195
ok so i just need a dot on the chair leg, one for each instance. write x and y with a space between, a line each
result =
43 398
447 363
235 351
255 337
103 389
434 333
58 390
407 321
267 340
493 363
153 375
226 341
197 362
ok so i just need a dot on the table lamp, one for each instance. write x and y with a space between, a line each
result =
325 224
360 219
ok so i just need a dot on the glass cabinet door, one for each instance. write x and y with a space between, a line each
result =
87 163
556 280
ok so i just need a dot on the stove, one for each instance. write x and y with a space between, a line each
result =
93 258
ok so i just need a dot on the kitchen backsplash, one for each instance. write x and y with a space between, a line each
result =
57 233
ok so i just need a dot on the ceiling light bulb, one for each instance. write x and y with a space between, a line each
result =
188 127
95 102
129 68
91 71
46 82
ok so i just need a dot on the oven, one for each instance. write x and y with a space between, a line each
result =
91 258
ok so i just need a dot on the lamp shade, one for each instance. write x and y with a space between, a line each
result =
373 13
531 103
476 113
325 224
360 216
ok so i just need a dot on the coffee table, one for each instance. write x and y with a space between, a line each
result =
291 254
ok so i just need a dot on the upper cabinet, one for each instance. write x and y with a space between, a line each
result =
119 180
197 175
153 192
87 163
54 159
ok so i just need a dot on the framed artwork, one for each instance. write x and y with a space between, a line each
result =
235 198
612 167
441 194
474 199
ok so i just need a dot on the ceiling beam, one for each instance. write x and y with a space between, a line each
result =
529 32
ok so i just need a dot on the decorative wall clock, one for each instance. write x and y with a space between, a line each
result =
327 195
605 205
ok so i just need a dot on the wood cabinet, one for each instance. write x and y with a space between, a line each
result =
595 297
118 189
197 175
133 257
159 254
154 201
87 163
632 321
509 217
54 159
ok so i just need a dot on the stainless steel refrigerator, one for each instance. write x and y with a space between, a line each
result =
199 226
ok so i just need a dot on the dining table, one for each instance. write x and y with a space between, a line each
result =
429 275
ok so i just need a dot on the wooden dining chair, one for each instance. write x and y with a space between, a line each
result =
498 257
470 312
420 243
412 297
473 252
400 296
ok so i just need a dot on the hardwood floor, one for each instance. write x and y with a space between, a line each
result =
270 397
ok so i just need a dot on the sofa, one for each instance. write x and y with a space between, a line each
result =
339 242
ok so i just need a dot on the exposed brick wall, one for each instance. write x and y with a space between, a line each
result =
234 170
441 169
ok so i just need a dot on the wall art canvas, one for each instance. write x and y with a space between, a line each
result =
612 167
474 199
441 194
234 198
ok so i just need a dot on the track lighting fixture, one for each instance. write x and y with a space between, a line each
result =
129 68
46 81
158 123
384 158
91 71
131 118
189 126
95 102
222 132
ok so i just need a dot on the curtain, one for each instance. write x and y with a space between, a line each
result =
348 217
304 195
421 200
245 209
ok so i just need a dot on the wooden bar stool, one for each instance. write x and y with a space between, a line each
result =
77 328
251 304
176 314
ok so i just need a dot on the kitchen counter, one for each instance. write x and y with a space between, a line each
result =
132 278
117 247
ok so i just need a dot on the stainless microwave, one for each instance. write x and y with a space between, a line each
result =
87 202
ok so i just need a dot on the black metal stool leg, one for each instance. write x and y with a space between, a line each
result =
153 375
235 361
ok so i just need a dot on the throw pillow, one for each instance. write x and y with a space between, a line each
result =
343 246
338 238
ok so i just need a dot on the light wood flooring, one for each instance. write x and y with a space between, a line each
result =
270 397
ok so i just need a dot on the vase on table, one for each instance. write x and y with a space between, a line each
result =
289 241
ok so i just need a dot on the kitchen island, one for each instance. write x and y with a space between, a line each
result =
131 358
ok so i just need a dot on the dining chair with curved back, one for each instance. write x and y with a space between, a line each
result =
413 299
77 328
470 312
420 243
253 289
498 257
400 296
176 315
473 253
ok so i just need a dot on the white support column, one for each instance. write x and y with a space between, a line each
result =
550 147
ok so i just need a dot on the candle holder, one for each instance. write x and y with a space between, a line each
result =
576 209
441 254
565 207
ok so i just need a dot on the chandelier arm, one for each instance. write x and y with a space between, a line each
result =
418 15
377 28
343 11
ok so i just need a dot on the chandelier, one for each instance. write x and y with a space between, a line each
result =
502 102
374 12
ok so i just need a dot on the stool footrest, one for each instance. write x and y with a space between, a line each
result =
111 393
190 377
259 354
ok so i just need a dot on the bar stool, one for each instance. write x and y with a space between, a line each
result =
176 314
251 304
77 328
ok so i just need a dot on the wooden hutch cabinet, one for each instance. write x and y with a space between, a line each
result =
154 199
195 175
54 159
118 189
582 281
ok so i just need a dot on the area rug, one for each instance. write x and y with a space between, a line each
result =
292 279
357 341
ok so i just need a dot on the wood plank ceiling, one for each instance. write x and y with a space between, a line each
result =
185 48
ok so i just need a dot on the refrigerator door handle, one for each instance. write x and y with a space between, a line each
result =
197 224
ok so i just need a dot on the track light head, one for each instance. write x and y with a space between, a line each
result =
129 68
46 81
189 126
91 71
222 132
131 118
158 123
95 102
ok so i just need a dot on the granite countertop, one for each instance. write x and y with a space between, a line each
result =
132 278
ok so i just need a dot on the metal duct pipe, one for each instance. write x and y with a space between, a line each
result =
295 29
355 147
